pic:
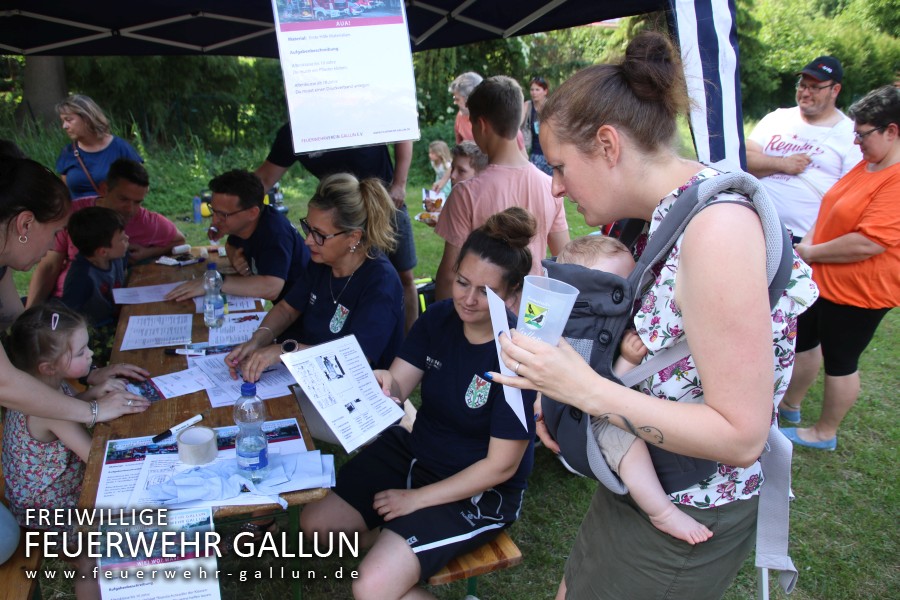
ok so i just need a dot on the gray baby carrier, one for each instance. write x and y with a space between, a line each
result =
600 316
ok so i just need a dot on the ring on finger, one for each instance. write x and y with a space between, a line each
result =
130 402
518 364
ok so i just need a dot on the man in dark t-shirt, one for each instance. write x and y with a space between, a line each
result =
363 162
267 252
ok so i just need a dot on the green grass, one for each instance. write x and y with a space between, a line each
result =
844 520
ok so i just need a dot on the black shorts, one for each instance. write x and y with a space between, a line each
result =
435 534
843 332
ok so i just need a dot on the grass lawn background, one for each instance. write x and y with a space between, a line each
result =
844 521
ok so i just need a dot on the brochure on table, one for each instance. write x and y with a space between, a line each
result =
275 381
348 74
236 329
340 384
157 331
118 575
124 463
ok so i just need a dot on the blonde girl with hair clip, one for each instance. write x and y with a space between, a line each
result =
44 458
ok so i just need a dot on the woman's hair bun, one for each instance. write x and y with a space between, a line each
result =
653 72
514 226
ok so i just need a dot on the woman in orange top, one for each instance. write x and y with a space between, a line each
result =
854 249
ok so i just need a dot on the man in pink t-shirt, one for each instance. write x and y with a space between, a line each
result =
495 109
150 234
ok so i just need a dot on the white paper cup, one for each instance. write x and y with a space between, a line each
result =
197 446
546 304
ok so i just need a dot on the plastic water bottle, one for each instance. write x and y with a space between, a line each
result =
251 445
197 211
213 302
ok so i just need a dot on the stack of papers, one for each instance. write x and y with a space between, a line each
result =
132 466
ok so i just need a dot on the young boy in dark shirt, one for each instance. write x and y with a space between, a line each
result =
99 234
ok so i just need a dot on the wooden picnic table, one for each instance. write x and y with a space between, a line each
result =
165 413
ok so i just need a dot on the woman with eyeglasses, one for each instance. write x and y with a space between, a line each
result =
349 287
854 249
531 123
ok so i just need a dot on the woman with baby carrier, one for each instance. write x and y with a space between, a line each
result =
608 132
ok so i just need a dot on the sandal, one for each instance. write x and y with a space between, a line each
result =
259 530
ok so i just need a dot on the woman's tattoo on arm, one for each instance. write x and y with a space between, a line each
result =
648 433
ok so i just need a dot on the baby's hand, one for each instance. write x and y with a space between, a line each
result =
633 349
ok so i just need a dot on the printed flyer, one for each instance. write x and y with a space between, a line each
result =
348 73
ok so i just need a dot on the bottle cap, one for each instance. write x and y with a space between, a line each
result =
211 266
248 389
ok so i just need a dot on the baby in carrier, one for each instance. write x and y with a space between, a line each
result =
626 455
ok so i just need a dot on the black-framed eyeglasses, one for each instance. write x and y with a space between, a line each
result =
224 215
813 88
859 136
318 237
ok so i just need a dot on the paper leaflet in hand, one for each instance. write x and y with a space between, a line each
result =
500 323
339 383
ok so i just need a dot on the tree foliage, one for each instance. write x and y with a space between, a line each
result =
227 100
224 100
793 32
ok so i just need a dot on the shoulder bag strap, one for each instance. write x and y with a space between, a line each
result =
83 167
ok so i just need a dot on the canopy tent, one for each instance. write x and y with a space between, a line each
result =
705 29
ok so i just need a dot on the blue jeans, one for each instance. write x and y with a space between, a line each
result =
9 534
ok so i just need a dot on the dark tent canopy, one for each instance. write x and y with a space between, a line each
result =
245 27
705 30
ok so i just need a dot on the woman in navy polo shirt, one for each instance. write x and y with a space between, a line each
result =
350 287
459 478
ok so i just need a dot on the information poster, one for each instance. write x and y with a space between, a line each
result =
348 73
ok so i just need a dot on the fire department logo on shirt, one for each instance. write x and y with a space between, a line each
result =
535 315
477 394
340 317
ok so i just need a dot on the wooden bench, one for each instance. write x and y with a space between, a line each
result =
501 553
13 583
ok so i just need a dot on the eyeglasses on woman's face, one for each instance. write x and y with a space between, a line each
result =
317 236
859 136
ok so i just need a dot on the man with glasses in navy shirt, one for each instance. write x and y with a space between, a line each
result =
267 252
798 153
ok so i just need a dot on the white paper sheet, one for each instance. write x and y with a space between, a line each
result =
232 303
144 294
236 328
157 331
348 74
116 585
500 323
274 382
182 382
124 459
296 470
339 382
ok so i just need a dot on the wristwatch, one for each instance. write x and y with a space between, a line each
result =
288 346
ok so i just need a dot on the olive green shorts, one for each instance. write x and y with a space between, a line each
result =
619 554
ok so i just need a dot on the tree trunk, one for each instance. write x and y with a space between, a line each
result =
45 85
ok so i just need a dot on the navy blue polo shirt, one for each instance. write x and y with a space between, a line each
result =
460 410
275 248
368 304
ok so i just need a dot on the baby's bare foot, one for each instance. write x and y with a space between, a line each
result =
680 526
